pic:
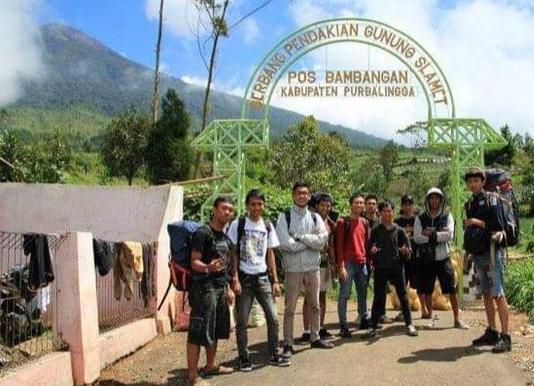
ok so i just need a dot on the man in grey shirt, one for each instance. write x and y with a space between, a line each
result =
302 236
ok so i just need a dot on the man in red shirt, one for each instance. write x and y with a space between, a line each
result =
352 238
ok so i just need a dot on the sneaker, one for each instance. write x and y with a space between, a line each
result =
287 351
489 338
245 365
319 343
344 333
324 334
364 324
411 331
276 360
305 338
461 325
503 345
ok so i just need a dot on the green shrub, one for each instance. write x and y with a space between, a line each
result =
519 283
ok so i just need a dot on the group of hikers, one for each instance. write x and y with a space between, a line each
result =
233 261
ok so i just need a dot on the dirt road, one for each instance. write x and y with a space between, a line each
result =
441 356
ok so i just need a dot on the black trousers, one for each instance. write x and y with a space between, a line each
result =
380 292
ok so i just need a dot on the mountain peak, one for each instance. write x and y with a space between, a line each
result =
66 33
83 73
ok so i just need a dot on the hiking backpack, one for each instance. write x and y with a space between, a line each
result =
180 234
499 183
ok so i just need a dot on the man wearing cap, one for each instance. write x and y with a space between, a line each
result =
484 221
433 230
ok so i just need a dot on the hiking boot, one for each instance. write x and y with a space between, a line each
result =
287 351
489 338
461 325
319 343
411 331
305 338
364 324
503 345
245 365
324 334
276 360
344 332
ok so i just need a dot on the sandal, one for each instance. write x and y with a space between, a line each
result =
218 370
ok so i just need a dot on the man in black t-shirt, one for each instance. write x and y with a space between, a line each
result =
389 246
210 293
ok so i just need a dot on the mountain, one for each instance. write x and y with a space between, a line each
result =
86 83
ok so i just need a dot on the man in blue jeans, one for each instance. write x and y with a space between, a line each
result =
484 222
352 238
255 277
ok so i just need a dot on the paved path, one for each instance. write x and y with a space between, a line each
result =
440 357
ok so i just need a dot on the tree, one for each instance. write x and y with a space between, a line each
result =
505 155
157 74
369 177
168 154
303 153
218 27
12 155
389 156
124 144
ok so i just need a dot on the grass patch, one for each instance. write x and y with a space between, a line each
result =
519 282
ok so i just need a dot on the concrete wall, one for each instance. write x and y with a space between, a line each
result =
122 341
109 213
50 370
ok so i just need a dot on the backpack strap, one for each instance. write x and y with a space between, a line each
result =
240 232
288 218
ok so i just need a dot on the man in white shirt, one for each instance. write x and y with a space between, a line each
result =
254 276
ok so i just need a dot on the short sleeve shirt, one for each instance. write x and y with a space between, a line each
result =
212 244
254 244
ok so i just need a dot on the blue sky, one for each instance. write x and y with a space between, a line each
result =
485 47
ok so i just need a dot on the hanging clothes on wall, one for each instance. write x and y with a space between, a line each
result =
128 268
41 270
147 283
103 254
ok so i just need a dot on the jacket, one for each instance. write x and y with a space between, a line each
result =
302 243
443 224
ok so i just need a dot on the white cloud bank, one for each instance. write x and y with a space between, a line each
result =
485 48
20 54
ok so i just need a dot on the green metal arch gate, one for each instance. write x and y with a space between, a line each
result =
229 140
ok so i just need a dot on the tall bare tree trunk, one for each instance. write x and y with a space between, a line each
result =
211 68
157 75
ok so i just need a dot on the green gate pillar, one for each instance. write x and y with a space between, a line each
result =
467 139
229 140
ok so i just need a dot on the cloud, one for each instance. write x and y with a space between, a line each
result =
229 87
180 16
251 31
20 53
485 48
184 20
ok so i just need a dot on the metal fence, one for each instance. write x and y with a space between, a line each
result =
27 312
113 312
